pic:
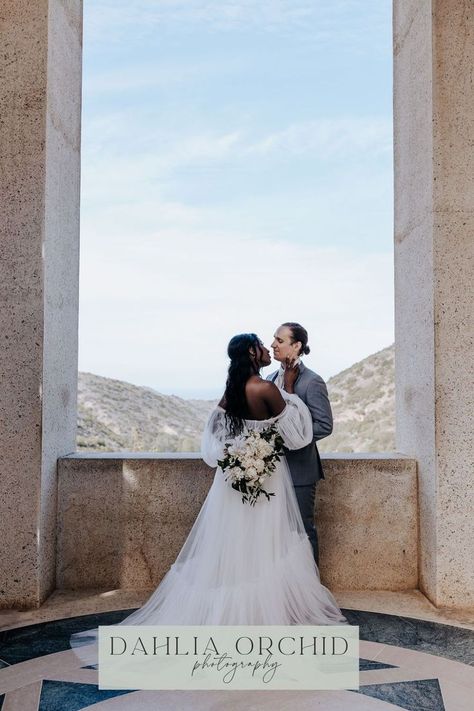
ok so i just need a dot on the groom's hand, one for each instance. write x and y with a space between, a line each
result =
290 375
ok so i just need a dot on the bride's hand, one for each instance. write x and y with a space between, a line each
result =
291 374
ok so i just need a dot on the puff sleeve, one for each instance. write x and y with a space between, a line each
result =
295 423
214 437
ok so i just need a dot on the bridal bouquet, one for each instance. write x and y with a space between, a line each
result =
250 459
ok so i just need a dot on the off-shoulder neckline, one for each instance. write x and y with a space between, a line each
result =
268 419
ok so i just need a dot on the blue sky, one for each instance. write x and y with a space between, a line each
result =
236 173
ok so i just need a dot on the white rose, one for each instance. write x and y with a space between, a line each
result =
264 450
259 465
252 473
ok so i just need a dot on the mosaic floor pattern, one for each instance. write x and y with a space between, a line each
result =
406 663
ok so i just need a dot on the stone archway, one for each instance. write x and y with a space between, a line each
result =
434 198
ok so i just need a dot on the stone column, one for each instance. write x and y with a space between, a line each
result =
40 105
434 285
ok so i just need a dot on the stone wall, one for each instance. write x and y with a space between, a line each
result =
434 288
123 519
40 109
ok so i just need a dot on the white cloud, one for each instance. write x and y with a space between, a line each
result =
329 137
159 311
322 20
141 77
165 284
140 74
122 141
169 268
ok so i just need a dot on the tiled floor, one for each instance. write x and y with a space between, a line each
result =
412 657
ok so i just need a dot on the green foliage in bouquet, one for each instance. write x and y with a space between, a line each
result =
250 459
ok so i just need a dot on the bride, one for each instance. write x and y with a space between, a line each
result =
242 564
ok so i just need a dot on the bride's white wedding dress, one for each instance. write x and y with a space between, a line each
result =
241 565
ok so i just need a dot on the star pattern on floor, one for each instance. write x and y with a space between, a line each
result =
405 663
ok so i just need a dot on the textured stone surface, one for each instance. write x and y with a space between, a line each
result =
434 226
122 520
40 94
454 399
70 603
366 516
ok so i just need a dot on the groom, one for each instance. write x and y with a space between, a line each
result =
291 342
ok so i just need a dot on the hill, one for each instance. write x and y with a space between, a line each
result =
363 403
114 415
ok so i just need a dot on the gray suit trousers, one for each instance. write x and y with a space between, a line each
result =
305 495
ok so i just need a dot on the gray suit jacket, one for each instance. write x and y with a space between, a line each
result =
305 464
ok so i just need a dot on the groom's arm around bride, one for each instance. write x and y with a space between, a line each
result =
291 342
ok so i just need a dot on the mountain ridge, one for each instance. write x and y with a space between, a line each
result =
114 415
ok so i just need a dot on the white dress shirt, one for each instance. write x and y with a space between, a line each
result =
279 380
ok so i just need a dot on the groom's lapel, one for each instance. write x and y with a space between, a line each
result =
273 376
302 368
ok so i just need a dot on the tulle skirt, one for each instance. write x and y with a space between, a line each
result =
240 565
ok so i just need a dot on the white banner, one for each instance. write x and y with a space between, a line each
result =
226 657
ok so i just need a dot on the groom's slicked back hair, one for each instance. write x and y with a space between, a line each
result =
298 333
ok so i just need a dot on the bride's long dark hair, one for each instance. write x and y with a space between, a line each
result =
240 369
